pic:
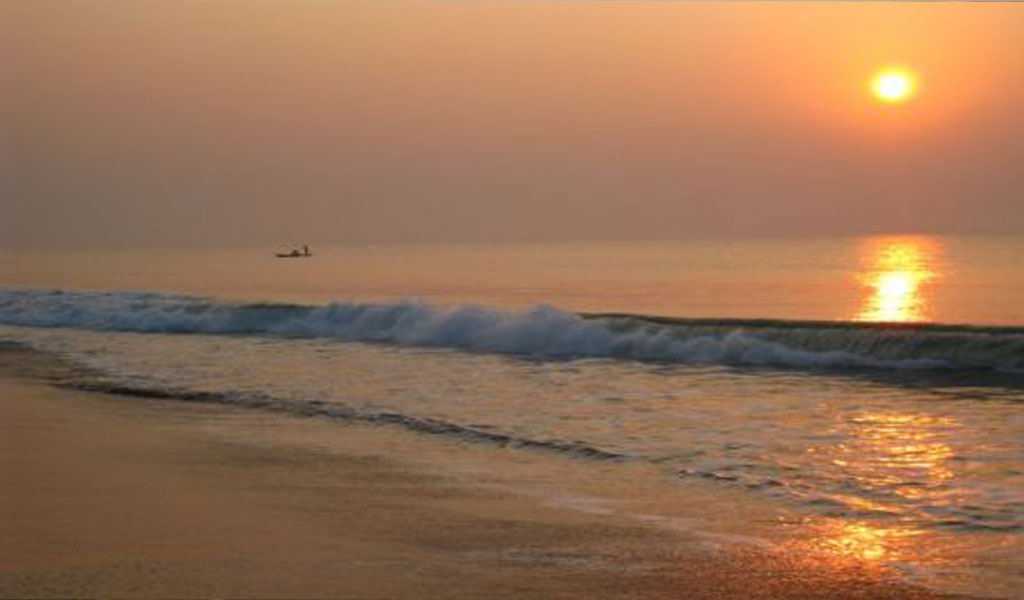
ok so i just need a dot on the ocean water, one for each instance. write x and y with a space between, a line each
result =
870 388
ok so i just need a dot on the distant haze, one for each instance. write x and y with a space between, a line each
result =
185 123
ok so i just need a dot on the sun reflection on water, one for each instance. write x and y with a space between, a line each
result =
889 460
898 454
896 273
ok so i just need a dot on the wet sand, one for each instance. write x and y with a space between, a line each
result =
127 497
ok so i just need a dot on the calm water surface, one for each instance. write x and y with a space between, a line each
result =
911 278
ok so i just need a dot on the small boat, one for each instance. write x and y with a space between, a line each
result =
305 253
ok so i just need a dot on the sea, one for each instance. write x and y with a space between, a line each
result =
868 389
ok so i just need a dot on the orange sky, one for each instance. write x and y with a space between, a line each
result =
199 123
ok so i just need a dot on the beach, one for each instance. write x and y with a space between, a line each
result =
126 497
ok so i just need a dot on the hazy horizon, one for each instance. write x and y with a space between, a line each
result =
221 124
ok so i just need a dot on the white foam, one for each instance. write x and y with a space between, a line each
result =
542 331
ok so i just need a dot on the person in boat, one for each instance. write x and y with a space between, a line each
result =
295 253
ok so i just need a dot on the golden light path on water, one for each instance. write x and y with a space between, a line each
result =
898 273
884 450
897 457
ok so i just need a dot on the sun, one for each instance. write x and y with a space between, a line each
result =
893 85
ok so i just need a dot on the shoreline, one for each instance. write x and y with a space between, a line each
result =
145 497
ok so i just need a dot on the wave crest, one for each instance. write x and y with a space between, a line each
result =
541 332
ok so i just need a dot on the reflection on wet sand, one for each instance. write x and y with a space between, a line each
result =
841 541
875 549
896 272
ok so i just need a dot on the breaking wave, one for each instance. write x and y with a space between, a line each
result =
540 332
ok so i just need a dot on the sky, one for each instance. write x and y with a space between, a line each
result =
184 123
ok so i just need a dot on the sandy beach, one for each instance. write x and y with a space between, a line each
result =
124 497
